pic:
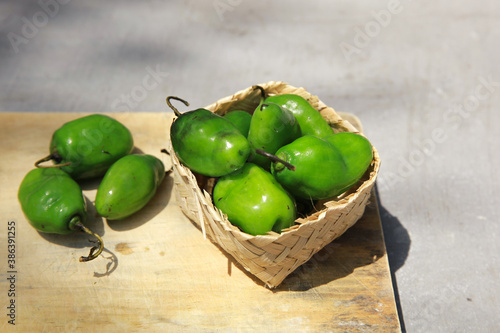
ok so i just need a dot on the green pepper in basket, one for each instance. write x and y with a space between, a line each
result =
271 127
324 168
254 201
207 143
319 168
240 119
310 120
357 153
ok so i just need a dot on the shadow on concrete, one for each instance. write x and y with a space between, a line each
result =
397 244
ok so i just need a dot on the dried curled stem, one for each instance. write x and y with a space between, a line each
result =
49 158
95 251
177 113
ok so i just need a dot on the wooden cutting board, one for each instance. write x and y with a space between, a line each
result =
157 273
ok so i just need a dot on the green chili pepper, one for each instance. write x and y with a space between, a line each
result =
324 168
310 120
357 153
207 143
53 203
320 170
86 147
240 119
271 127
128 185
254 201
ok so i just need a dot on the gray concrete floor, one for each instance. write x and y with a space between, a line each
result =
423 77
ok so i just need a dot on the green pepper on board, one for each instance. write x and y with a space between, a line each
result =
86 147
128 185
310 120
254 201
53 203
206 142
271 127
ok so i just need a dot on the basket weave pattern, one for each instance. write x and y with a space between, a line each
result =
271 258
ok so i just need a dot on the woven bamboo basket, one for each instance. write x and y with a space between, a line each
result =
272 257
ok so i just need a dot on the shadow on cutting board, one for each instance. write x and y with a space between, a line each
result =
79 239
359 246
84 241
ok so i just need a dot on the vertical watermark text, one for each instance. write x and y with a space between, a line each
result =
11 272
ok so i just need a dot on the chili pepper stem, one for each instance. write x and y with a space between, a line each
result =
262 92
177 113
275 158
94 251
48 158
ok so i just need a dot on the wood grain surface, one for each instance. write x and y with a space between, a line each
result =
157 273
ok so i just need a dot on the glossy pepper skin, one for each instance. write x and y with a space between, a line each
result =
240 119
91 143
128 185
357 153
254 201
310 120
271 127
52 201
320 171
208 143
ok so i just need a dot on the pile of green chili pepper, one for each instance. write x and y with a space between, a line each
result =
94 146
271 161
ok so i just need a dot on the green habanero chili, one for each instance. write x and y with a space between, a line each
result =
53 203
